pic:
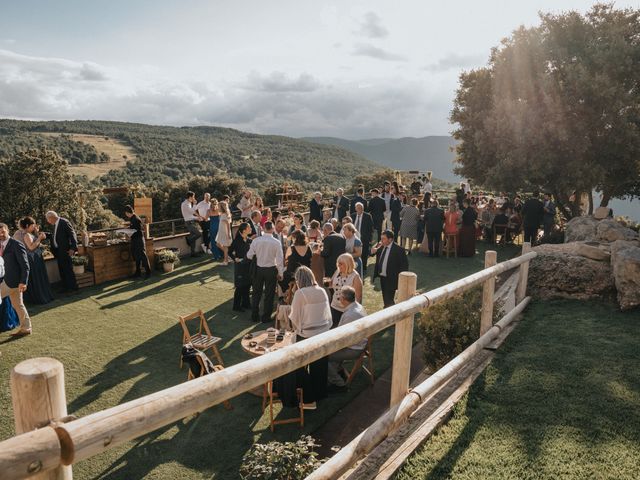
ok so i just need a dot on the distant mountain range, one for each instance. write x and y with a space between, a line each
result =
426 153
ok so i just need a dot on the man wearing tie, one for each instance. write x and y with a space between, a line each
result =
359 198
256 229
391 260
279 233
376 209
340 205
364 225
16 276
269 269
64 245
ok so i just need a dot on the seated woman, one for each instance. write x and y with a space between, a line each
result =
298 254
353 245
310 315
39 290
344 276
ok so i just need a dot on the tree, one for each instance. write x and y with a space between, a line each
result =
557 108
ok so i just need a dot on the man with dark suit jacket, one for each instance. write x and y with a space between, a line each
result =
377 208
340 205
16 277
64 245
533 214
254 223
391 260
364 225
358 198
433 225
315 208
333 246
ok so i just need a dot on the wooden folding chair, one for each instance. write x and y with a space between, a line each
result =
366 354
451 240
203 339
269 397
203 372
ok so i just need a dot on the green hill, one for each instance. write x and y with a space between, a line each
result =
427 153
176 153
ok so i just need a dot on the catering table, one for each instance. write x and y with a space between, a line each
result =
261 347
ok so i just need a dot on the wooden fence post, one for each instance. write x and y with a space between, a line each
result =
486 315
521 290
38 397
403 341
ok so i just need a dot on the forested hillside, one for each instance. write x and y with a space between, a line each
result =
177 153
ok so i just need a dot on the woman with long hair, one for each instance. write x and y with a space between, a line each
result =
214 226
467 234
223 238
345 275
39 290
353 245
138 247
241 268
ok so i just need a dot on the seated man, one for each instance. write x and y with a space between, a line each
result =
352 311
501 223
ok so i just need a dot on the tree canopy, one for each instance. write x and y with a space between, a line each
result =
557 108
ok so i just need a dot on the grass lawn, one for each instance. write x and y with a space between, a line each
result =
560 400
121 341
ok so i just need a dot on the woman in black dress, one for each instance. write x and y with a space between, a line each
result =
242 268
298 254
138 247
39 290
467 234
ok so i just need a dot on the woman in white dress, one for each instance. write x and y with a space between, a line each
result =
346 275
223 238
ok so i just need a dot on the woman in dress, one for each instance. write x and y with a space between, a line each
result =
298 255
353 245
410 217
310 315
39 290
467 247
452 222
214 226
241 268
267 216
258 204
223 238
138 247
345 276
298 224
314 233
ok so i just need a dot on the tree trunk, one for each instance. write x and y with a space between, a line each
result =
590 194
606 197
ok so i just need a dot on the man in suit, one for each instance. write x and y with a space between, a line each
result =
279 234
64 245
340 205
16 276
333 246
549 217
533 214
433 223
358 198
391 259
376 209
254 223
387 196
364 225
315 208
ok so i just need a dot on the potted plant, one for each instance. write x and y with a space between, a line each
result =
168 259
79 262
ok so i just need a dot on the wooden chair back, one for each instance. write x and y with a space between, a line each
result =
202 339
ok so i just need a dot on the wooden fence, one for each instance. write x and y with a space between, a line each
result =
48 441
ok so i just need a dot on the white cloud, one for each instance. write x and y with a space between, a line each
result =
371 26
368 50
456 61
295 105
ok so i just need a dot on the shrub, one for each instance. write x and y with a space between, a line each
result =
80 260
447 328
166 256
280 461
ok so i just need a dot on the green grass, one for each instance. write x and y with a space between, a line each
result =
121 341
560 400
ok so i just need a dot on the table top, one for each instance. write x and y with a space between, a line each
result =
260 337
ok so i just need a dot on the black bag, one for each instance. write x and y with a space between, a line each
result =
196 359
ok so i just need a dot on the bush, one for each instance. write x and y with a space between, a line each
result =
447 328
166 256
280 461
80 260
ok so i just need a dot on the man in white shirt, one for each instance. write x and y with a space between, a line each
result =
428 192
353 311
386 196
203 211
245 205
269 269
191 218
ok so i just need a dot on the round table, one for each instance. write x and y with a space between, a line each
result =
260 337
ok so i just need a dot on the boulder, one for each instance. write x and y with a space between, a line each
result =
580 229
610 230
625 259
592 250
558 272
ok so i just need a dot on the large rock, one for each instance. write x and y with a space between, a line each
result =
625 259
558 272
592 250
580 229
609 230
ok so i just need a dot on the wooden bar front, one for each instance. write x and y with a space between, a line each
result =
113 262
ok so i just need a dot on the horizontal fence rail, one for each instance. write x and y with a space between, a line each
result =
67 443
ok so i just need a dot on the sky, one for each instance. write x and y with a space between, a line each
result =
351 69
